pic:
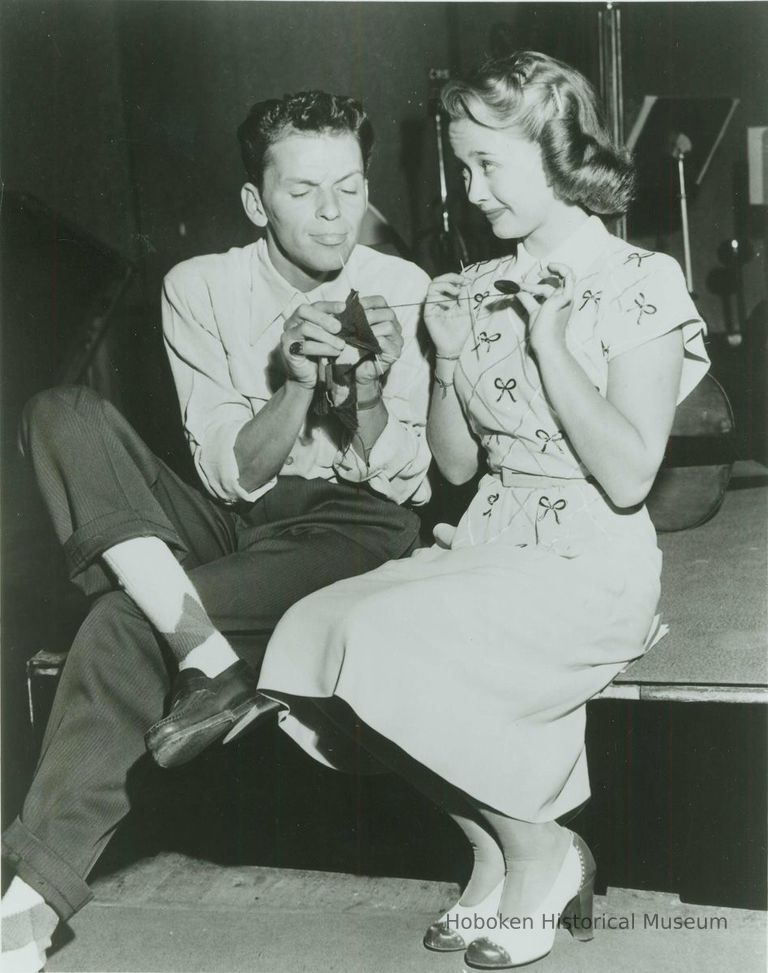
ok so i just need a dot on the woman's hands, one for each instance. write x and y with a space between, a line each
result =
549 306
449 322
447 314
448 317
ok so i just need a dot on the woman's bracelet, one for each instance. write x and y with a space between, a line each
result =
443 386
448 357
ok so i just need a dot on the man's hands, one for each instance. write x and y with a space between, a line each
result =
389 334
312 332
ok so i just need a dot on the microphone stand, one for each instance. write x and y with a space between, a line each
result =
681 146
450 242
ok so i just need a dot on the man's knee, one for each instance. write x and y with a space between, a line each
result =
50 412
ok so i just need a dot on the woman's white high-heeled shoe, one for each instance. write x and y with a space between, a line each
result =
445 935
530 937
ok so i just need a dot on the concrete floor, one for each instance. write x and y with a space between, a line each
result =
173 913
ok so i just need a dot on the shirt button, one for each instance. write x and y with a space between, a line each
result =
289 460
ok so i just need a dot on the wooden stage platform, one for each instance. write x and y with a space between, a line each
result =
715 601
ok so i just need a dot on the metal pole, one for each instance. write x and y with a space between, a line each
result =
611 80
441 167
601 54
684 219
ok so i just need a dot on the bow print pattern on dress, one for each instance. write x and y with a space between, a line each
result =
546 438
505 387
491 498
588 296
546 506
639 257
484 338
644 307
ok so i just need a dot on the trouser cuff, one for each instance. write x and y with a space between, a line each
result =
59 884
89 542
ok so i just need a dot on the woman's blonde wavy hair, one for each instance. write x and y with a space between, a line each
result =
554 106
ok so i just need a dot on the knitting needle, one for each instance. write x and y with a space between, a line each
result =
325 363
329 366
504 287
471 315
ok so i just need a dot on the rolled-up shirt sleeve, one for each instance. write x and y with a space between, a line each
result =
399 460
212 411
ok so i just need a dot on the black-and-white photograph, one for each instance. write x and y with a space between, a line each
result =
384 486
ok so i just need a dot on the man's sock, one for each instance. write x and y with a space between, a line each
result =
209 657
18 897
28 959
154 579
28 923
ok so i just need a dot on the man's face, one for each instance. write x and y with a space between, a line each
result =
314 197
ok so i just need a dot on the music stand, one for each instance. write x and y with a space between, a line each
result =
674 141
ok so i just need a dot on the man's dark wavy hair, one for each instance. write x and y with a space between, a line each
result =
305 111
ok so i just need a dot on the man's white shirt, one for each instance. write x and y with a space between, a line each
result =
223 316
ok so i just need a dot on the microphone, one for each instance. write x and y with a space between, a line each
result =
679 145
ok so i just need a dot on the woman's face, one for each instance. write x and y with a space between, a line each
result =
504 177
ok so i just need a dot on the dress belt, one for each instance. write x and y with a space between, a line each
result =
511 478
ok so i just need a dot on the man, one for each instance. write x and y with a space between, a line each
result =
295 499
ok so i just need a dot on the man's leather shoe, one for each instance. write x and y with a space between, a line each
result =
203 709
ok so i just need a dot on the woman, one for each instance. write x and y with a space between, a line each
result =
470 663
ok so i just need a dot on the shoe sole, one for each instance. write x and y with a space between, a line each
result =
443 949
250 719
187 744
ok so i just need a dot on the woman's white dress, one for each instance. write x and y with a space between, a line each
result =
477 658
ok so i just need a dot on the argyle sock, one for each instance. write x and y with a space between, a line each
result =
150 574
28 923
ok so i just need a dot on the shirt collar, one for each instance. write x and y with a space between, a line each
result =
578 251
275 297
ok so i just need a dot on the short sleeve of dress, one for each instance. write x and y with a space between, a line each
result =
648 298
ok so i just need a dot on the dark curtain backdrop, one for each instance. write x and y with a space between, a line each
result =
121 115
